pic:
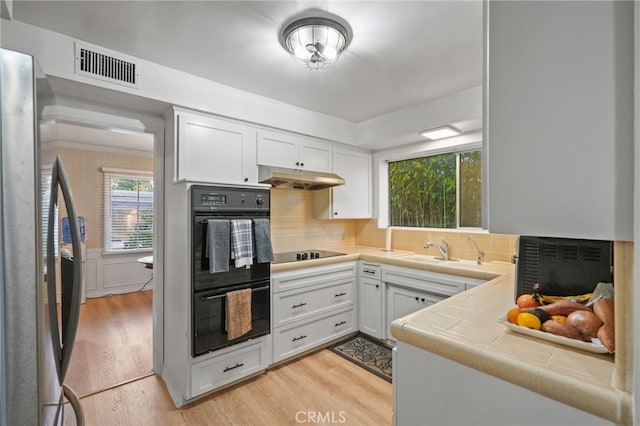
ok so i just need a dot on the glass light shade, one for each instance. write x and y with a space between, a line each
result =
315 42
440 132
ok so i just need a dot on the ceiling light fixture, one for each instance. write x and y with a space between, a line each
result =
315 42
440 132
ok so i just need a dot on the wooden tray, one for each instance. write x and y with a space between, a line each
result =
595 346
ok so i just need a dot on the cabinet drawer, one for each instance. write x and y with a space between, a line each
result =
221 370
300 304
370 270
300 278
294 339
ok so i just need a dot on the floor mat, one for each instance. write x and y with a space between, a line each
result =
366 352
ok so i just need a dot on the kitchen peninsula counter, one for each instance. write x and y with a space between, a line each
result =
464 329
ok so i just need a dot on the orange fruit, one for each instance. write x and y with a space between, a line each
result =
525 301
512 315
559 318
529 320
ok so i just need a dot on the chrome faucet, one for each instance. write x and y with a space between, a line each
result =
442 248
480 252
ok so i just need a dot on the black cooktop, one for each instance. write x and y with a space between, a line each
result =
295 256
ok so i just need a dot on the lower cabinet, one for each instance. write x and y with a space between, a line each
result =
370 300
402 301
311 307
305 335
219 370
408 290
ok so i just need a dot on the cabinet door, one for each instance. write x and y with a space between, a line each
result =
214 150
315 155
277 149
402 301
370 307
559 147
353 199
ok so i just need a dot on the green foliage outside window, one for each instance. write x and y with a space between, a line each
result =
423 191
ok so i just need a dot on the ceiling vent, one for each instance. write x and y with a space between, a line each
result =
106 65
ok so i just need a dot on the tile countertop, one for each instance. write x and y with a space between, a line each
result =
464 328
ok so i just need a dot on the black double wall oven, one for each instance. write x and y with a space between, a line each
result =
209 290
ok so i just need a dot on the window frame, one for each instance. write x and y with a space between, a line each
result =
464 143
108 174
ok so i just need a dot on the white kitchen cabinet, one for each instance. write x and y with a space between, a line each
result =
408 290
370 297
558 122
312 306
353 199
428 386
403 301
214 150
230 365
292 151
303 336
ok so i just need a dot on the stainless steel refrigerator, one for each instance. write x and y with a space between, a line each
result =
40 282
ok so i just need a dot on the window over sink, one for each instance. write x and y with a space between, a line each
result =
443 190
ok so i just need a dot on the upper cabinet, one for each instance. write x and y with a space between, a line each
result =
293 152
353 199
558 119
214 150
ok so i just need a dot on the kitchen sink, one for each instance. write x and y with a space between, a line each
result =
438 260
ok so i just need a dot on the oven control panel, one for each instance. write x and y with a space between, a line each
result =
210 198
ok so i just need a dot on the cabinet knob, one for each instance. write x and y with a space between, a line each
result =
335 213
377 285
301 164
297 163
417 299
246 179
422 300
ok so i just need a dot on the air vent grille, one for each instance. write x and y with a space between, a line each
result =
562 266
105 65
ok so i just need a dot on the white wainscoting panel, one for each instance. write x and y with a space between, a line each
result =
116 273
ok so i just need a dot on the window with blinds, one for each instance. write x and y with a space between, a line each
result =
128 210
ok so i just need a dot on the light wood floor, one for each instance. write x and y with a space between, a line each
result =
114 342
320 388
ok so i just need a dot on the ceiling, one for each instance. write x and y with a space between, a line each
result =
402 53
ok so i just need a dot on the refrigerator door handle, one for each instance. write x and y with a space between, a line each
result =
63 342
70 328
50 277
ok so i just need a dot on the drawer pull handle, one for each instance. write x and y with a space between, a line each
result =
295 339
338 324
299 305
232 368
367 271
340 294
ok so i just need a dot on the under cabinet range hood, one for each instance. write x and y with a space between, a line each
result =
297 179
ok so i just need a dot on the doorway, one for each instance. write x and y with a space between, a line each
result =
115 339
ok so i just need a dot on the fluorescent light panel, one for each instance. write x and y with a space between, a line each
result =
440 132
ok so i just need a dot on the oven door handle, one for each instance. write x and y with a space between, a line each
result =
204 298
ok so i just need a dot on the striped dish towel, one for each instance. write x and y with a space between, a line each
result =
242 242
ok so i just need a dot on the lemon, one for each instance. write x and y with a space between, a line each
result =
529 320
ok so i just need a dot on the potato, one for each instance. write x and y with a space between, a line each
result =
586 322
562 329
